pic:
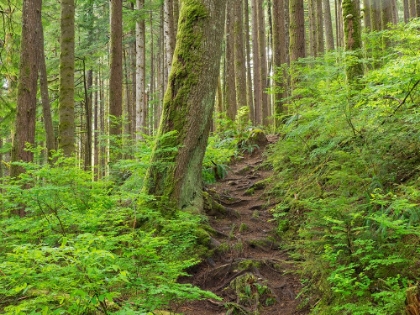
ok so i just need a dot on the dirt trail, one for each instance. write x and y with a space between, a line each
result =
249 270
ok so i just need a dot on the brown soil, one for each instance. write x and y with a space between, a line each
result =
249 269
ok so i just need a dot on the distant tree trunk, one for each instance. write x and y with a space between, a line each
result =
88 82
386 13
256 64
116 73
375 15
329 36
140 74
249 89
352 39
230 91
27 86
262 60
188 106
339 23
296 30
320 49
43 82
366 14
279 54
66 109
412 9
406 11
312 28
239 49
169 38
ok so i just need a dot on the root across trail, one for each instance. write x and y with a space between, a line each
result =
249 269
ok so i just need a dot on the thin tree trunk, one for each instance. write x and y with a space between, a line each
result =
256 64
140 74
249 90
88 82
116 73
239 50
319 28
312 28
262 60
169 38
66 138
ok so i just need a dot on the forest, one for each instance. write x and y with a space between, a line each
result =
208 157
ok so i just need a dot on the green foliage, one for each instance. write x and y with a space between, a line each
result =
231 140
347 171
84 247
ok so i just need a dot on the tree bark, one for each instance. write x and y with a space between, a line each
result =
27 86
352 39
43 82
66 110
169 38
262 60
141 107
256 64
249 89
239 48
296 30
188 106
320 49
116 71
329 36
230 91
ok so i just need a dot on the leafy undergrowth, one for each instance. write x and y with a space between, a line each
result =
347 171
74 245
91 247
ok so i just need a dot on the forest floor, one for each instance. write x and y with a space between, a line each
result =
248 269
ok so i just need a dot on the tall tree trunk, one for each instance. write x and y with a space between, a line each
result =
43 82
279 54
27 86
240 60
366 14
256 64
249 89
386 13
353 39
406 11
230 90
262 60
88 82
169 38
329 36
188 105
339 23
375 15
296 30
140 74
116 73
312 28
412 8
66 112
319 28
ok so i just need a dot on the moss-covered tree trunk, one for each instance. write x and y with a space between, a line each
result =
352 39
27 83
175 176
